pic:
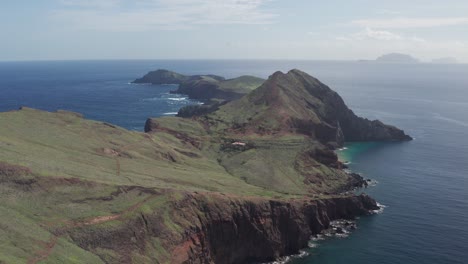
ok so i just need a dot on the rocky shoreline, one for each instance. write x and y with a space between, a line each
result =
250 181
266 230
223 229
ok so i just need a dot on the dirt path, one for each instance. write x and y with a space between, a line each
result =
44 253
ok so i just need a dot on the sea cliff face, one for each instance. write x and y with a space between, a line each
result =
296 102
214 228
246 231
250 181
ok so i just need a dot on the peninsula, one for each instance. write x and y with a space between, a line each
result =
247 182
204 87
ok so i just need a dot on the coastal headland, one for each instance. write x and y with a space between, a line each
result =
249 180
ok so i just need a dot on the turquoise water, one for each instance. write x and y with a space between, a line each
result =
423 183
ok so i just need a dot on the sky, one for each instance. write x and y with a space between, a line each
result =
232 29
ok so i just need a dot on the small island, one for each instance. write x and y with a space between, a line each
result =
203 87
397 58
250 181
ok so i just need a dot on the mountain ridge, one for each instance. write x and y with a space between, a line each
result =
248 182
206 87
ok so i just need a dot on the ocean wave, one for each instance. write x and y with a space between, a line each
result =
379 211
177 98
171 113
312 244
287 259
145 84
372 183
174 99
450 120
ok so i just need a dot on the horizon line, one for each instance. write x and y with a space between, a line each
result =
229 59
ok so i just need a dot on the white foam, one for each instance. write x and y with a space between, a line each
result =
171 113
379 211
177 98
312 245
372 183
145 84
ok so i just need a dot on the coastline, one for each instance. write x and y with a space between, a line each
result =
341 228
351 150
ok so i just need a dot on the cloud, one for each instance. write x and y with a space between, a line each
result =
144 15
369 33
402 23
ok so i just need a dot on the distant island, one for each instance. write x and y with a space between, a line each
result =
203 87
247 182
397 58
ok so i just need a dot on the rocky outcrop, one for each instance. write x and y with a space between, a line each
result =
169 77
259 231
162 77
300 103
203 87
213 228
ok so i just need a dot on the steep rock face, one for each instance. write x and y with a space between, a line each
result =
336 115
212 228
259 231
297 102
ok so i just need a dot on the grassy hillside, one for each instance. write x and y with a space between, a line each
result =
242 85
81 191
60 172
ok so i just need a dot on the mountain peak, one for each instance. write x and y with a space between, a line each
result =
298 103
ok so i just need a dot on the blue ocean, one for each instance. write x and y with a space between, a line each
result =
423 183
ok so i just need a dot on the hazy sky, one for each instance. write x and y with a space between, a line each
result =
239 29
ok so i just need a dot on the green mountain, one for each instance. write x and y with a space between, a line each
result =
249 182
204 87
162 76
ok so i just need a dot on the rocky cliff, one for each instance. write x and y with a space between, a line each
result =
248 182
296 102
204 87
215 228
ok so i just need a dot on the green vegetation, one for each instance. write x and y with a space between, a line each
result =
80 191
242 85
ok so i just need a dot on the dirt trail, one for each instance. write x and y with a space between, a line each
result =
44 253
